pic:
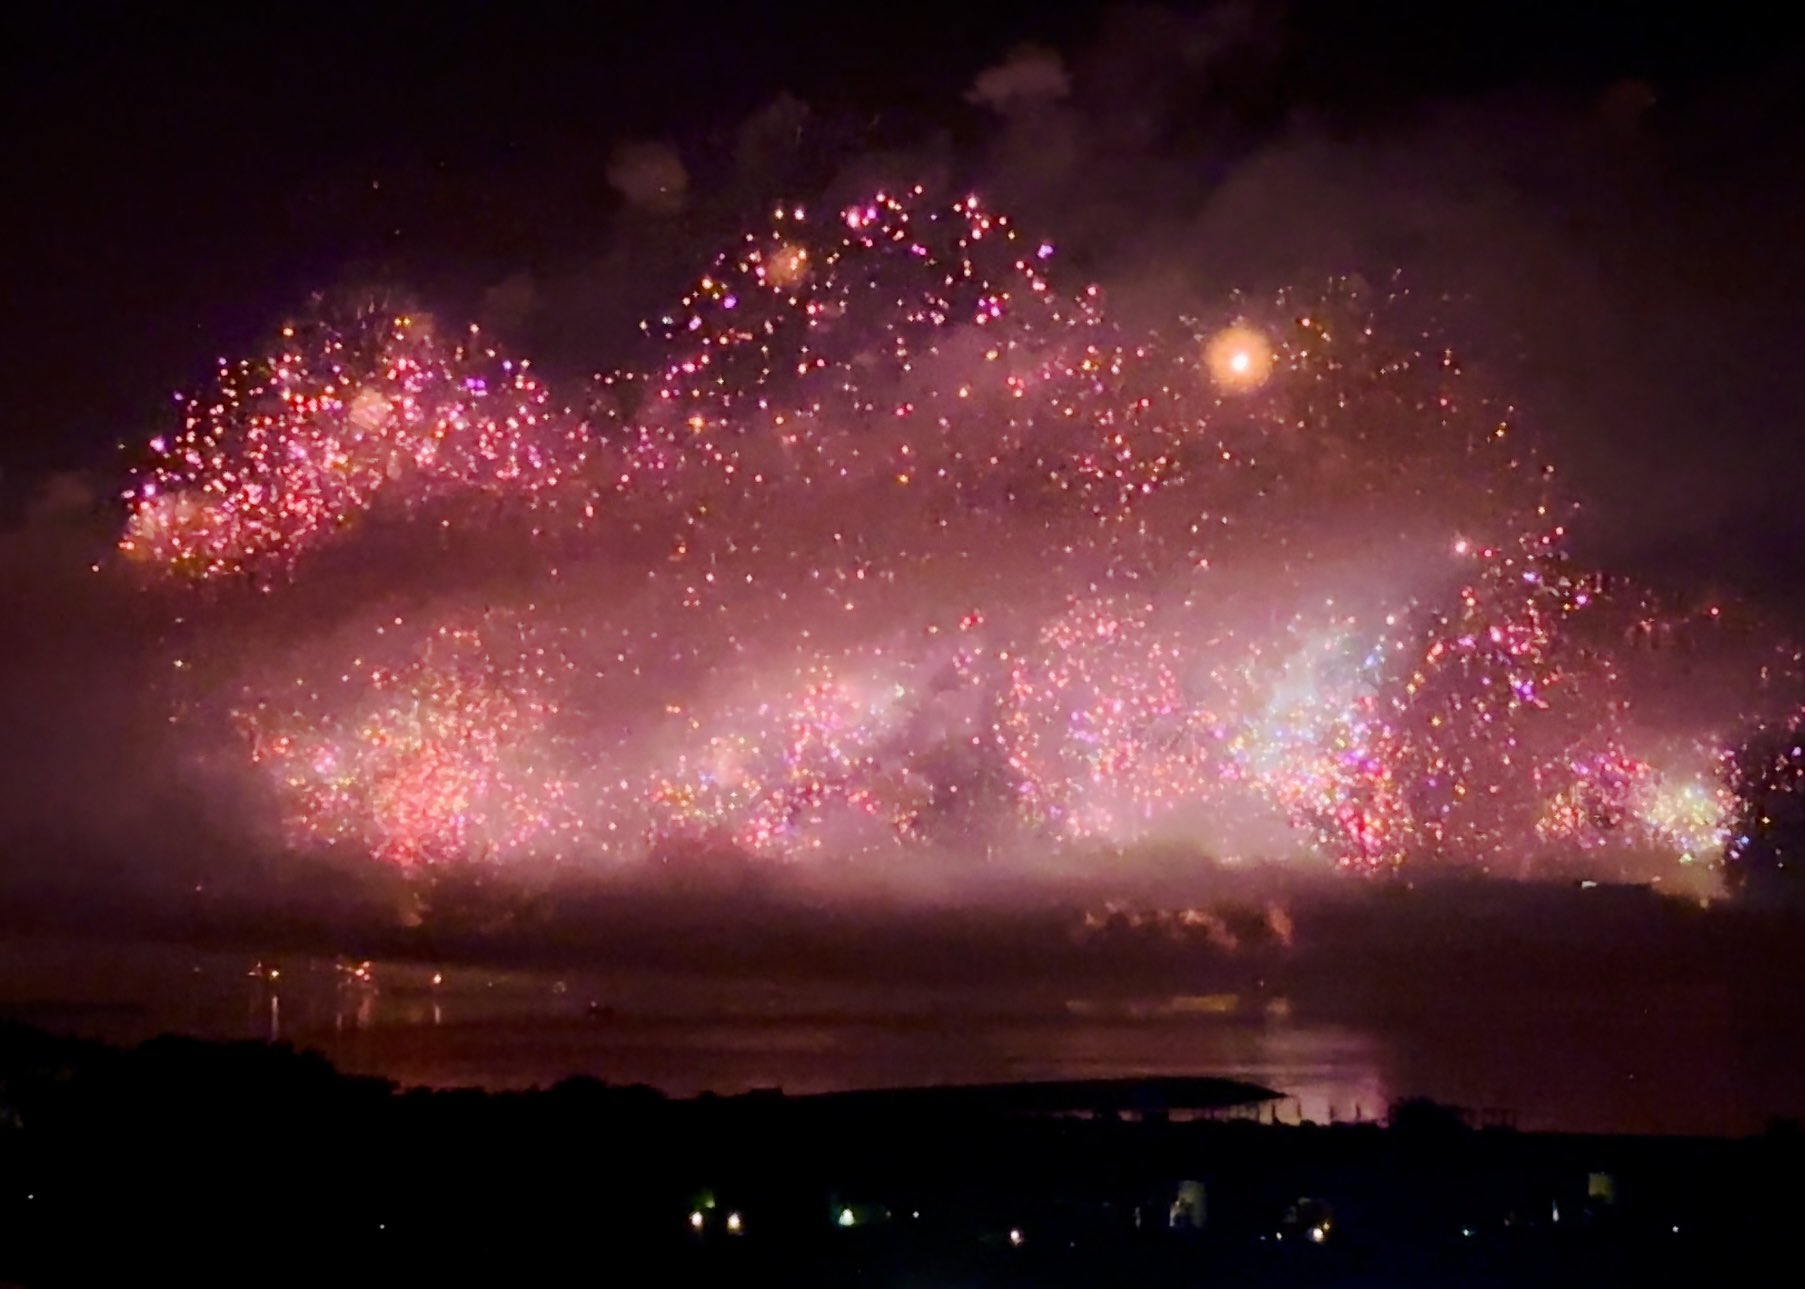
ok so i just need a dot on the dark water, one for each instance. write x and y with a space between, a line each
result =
1671 1059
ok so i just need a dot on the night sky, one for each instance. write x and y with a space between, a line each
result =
1618 192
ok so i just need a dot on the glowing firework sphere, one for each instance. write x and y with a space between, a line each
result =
897 545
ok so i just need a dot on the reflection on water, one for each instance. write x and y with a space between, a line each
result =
1692 1063
445 1028
1328 1072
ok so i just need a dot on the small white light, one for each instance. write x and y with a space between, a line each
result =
734 1224
1015 1236
695 1220
846 1217
1318 1235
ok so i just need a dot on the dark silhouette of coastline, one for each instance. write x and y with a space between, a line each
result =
253 1163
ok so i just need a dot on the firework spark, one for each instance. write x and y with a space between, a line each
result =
290 450
897 544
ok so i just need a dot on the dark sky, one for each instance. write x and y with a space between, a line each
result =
1616 196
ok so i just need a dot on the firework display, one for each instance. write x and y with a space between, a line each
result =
433 758
346 414
1768 773
901 545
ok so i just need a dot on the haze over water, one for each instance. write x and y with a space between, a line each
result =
1699 1057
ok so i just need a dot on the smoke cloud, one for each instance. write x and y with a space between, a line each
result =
650 175
1031 75
1602 262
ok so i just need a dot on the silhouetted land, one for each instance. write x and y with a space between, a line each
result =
246 1163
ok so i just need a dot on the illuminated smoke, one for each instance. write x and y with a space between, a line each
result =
901 545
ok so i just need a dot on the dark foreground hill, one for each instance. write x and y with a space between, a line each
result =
245 1163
